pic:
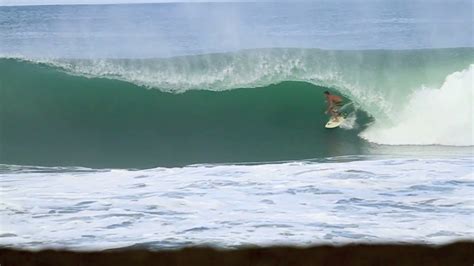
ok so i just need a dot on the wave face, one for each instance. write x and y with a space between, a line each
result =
253 105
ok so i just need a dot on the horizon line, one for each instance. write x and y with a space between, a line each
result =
141 3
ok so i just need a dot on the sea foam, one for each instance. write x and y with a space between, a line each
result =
443 116
336 201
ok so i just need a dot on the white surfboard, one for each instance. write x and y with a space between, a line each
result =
333 124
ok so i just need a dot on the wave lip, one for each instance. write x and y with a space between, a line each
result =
442 116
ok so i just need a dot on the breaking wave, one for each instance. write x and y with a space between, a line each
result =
263 104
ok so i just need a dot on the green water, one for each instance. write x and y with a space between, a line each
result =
52 118
213 108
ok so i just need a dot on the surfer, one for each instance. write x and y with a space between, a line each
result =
334 103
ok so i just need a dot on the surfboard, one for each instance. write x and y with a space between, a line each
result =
333 124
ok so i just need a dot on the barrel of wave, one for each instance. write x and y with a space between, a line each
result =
443 116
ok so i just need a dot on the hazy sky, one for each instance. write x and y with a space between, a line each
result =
56 2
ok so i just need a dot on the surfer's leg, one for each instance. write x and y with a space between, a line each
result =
335 114
338 108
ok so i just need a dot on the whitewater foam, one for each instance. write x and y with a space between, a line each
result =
350 122
336 201
443 116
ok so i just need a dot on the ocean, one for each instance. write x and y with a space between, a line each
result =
179 124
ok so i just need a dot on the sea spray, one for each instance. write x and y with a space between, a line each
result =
443 116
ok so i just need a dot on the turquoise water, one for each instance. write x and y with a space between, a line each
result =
208 109
52 118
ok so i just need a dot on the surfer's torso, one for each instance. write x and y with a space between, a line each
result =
334 99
